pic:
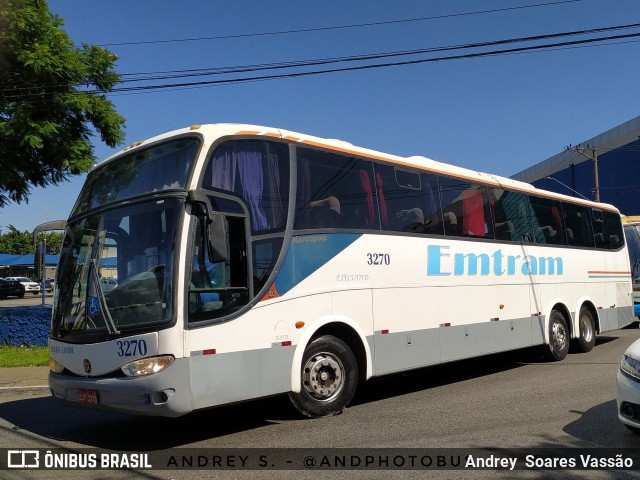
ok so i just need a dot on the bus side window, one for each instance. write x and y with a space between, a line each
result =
217 289
334 191
466 208
600 234
548 221
578 223
614 230
408 200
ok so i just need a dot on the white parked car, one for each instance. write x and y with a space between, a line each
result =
628 386
108 284
29 285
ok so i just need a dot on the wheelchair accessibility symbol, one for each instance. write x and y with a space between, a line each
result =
93 308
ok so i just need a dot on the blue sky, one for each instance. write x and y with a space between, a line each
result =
498 114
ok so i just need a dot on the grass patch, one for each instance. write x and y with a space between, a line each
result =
24 356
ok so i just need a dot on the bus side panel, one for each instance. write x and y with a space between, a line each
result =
472 322
417 327
597 294
235 376
624 305
406 334
251 356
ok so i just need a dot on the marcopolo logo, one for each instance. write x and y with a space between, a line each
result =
442 263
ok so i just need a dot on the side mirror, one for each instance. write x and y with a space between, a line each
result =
215 226
217 238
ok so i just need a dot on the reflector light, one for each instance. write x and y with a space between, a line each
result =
286 344
211 351
384 332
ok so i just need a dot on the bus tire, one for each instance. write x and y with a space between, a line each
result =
558 346
329 377
587 334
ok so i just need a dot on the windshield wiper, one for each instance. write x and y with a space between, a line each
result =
104 308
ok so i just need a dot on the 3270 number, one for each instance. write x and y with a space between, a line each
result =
131 348
378 259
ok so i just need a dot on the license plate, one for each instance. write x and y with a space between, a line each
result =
88 396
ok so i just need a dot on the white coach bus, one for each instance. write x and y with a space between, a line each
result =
221 263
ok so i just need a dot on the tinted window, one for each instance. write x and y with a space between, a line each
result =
465 208
577 221
335 191
548 215
633 242
614 229
160 167
258 172
409 201
515 219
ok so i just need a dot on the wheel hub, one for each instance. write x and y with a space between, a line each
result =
586 328
559 336
322 376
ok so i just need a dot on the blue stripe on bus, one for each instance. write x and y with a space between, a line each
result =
307 253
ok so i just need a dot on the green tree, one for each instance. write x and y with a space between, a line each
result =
52 99
53 241
16 242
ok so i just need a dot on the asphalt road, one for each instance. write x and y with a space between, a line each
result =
512 400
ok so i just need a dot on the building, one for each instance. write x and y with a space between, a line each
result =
607 164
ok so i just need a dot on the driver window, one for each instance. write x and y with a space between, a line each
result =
217 289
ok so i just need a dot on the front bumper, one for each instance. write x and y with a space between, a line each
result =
628 400
166 394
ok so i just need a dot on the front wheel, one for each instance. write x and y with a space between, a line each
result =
329 377
558 337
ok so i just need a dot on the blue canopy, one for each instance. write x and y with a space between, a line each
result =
25 260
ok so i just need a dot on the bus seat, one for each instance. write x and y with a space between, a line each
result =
549 233
325 212
451 226
410 220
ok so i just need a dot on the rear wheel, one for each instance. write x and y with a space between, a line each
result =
329 377
558 337
587 335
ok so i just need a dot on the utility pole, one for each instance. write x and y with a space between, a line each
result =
594 157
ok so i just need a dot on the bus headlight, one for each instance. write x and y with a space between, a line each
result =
55 366
630 366
147 366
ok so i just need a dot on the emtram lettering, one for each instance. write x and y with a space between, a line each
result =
442 263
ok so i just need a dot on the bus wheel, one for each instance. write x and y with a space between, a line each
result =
587 335
329 378
558 337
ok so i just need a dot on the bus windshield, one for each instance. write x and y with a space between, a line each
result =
158 168
116 269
